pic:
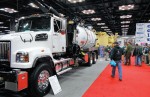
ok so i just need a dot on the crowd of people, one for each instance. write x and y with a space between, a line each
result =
141 53
119 54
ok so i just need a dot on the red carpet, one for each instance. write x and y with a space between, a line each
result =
135 83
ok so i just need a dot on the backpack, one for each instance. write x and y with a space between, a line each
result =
146 50
117 54
139 52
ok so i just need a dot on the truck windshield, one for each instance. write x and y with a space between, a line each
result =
34 24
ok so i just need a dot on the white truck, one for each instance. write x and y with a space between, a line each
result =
42 46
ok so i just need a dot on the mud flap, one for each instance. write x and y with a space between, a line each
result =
86 56
20 83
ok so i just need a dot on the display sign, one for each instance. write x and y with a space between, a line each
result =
55 84
147 30
142 33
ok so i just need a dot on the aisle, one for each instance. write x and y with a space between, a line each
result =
136 83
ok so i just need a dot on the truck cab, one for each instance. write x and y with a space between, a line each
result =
36 35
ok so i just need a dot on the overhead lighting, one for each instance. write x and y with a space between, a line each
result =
16 20
7 30
125 26
125 16
100 23
107 29
104 27
3 27
124 32
90 11
124 29
33 5
9 10
25 25
75 1
1 23
125 22
126 7
96 19
22 18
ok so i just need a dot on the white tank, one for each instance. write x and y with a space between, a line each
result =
84 37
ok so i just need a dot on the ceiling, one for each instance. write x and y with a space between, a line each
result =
107 10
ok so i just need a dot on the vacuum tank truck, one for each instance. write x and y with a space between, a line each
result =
42 46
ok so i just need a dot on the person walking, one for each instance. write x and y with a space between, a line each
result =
124 52
116 55
128 54
145 53
107 50
138 55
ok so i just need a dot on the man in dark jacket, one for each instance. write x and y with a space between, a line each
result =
128 54
116 55
138 55
145 53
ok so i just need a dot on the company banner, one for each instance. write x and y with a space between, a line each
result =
147 32
142 34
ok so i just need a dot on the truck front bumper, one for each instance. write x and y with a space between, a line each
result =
8 76
15 80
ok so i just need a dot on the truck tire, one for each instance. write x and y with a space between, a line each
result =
38 81
90 59
94 58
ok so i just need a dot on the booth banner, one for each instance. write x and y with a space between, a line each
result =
142 34
147 30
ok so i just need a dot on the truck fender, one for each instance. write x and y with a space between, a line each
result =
45 58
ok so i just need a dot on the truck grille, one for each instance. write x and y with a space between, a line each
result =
4 51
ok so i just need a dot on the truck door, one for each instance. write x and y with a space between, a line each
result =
59 37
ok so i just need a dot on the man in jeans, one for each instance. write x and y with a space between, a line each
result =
128 54
116 56
138 55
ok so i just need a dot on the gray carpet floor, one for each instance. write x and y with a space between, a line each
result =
75 82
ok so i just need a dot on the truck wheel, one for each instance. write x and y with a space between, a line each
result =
38 82
90 59
94 58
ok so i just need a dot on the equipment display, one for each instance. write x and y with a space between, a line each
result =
42 47
85 38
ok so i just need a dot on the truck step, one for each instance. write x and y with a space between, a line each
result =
61 60
63 71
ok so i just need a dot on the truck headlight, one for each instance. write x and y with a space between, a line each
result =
22 57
